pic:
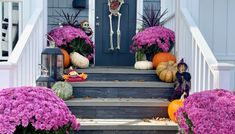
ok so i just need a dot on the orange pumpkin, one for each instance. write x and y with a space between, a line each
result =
174 106
163 57
66 58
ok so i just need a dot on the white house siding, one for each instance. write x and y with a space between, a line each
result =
155 3
216 19
66 5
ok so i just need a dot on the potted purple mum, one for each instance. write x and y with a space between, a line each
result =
34 110
153 40
208 112
73 39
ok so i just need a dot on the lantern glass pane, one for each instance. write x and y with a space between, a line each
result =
42 84
48 62
60 67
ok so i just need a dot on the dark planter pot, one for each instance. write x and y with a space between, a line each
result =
149 57
79 3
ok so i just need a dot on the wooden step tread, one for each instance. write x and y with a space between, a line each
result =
121 84
127 124
115 70
124 102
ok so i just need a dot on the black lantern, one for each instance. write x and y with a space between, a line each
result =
53 60
44 80
79 3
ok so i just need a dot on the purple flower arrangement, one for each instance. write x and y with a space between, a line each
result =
153 40
34 110
208 112
73 39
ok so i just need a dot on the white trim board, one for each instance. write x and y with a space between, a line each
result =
91 15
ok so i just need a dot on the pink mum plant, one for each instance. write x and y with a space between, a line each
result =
153 39
208 112
73 39
34 110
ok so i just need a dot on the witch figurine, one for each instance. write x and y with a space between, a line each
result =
183 81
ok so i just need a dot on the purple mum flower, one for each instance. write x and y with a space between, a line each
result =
208 112
159 37
37 106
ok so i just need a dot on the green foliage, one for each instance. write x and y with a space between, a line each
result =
152 17
31 130
80 46
69 18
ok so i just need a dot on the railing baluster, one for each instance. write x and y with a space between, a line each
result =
20 18
195 67
1 30
212 80
204 74
200 79
10 28
32 60
28 59
20 72
192 63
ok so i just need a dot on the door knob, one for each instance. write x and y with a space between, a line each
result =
97 24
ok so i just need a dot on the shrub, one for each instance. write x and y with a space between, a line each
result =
35 110
208 112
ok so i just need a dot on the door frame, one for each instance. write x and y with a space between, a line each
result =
91 16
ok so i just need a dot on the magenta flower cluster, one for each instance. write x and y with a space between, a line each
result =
73 39
158 37
64 35
208 112
37 106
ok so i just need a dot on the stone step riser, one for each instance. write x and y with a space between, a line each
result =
122 77
123 92
118 112
126 132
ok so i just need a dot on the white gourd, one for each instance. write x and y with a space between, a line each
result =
143 65
78 60
63 90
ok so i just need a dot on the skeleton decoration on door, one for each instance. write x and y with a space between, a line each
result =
114 8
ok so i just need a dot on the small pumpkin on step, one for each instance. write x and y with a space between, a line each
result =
78 60
143 65
166 71
174 106
63 90
66 58
162 57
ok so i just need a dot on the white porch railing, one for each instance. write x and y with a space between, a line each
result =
11 24
22 69
206 72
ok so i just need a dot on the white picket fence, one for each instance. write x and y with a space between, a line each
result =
21 68
206 72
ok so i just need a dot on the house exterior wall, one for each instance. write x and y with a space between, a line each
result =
66 5
155 3
216 19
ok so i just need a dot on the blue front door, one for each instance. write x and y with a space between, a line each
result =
105 56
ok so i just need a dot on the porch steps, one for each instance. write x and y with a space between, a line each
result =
116 108
126 126
119 73
119 100
122 89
